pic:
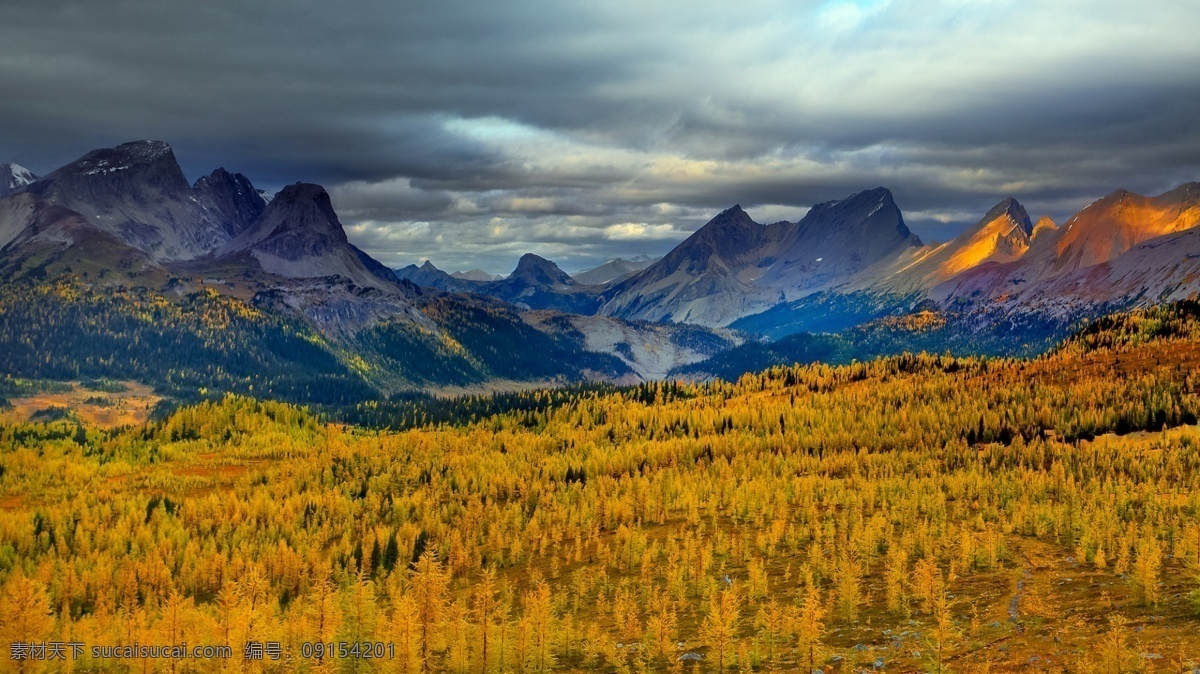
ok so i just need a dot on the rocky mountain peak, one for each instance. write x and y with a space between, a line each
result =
145 156
231 198
302 212
730 233
429 276
1014 212
312 206
538 270
733 218
867 213
1002 235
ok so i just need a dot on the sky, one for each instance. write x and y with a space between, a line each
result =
469 133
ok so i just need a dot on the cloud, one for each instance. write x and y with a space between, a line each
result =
471 132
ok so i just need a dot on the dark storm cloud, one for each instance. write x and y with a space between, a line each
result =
471 132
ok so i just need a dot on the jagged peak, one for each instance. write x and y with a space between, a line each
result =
428 266
880 193
730 232
224 176
303 196
1014 211
1044 224
733 217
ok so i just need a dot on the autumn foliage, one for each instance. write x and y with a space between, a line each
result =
925 511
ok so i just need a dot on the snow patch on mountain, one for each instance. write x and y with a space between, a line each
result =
14 177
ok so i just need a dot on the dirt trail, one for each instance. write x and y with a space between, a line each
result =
1014 605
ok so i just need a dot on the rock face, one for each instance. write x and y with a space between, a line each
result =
130 210
126 215
137 193
1122 250
1076 266
538 272
14 177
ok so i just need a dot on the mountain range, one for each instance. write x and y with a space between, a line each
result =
127 217
123 228
854 260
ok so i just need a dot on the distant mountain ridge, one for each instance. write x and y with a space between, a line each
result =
475 275
614 270
430 276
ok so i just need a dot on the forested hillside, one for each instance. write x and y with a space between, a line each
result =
67 330
196 345
926 330
916 512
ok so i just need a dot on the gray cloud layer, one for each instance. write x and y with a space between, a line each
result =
470 133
